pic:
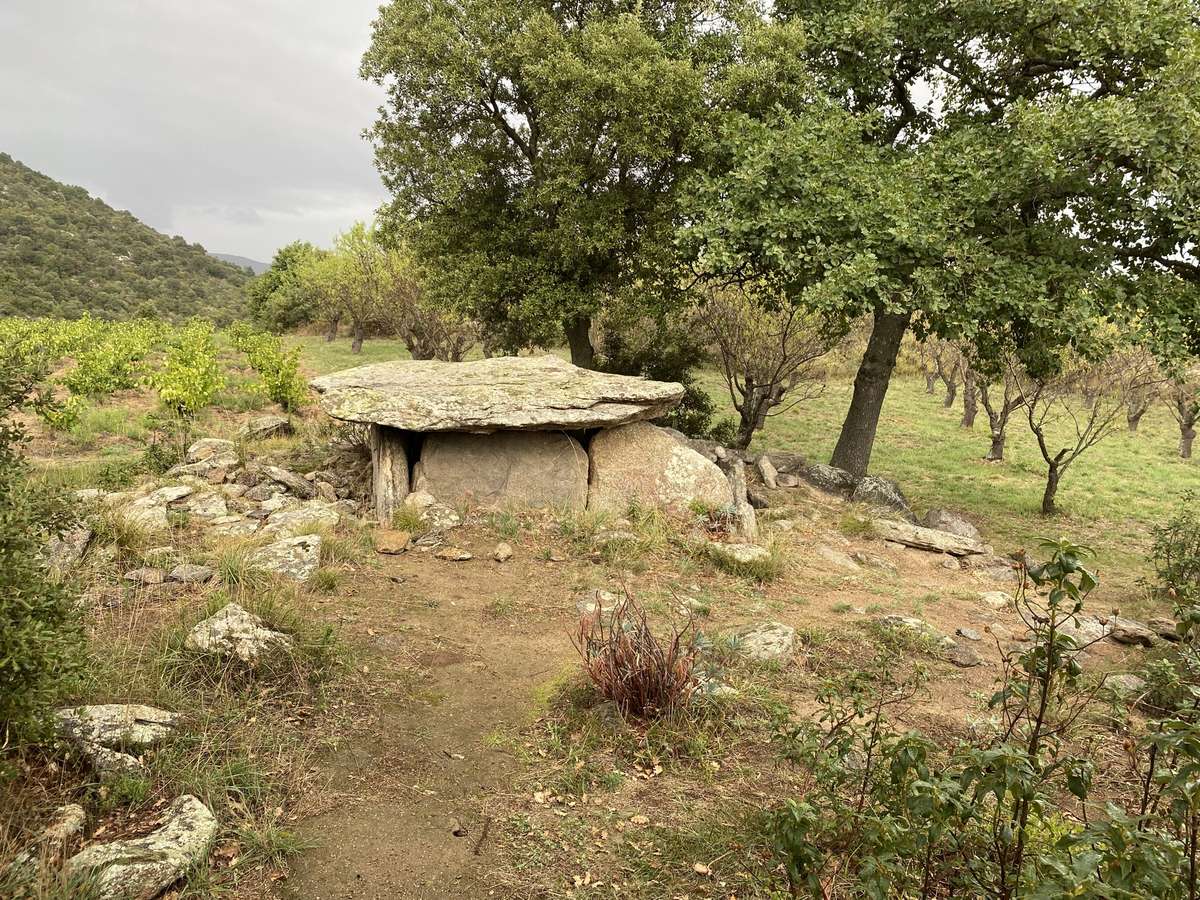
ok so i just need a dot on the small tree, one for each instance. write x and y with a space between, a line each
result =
767 352
999 409
1091 398
1183 398
948 364
428 330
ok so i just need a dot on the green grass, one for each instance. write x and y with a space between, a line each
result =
320 357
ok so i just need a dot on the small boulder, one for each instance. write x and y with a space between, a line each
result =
767 472
596 600
996 600
739 554
945 520
391 542
969 634
207 505
267 426
769 642
1127 631
917 627
787 480
145 576
1125 685
116 726
65 551
882 493
1083 629
829 479
206 448
290 480
293 557
233 631
233 526
837 558
1164 628
963 656
503 552
142 868
454 554
189 573
291 521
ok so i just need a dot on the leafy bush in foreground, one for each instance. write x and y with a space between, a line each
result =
279 369
190 376
41 639
892 814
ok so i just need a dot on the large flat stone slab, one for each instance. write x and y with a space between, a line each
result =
527 393
545 469
926 538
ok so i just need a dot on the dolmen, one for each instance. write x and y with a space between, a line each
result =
520 431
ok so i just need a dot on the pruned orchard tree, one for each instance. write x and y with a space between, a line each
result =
428 329
1140 395
947 365
988 172
767 353
534 150
1183 398
1073 407
1001 394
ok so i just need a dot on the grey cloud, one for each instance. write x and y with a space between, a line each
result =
236 123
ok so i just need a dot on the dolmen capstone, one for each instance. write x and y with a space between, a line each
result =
520 431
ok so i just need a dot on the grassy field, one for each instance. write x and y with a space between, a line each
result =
1110 499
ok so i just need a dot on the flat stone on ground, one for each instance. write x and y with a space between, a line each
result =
293 557
233 631
534 393
768 642
116 726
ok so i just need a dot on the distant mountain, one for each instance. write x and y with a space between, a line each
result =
65 253
244 262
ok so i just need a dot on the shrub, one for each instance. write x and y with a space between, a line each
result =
644 676
190 376
41 638
278 369
1176 551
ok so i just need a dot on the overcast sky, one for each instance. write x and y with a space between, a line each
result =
235 123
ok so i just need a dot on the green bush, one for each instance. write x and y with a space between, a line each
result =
41 637
897 815
278 369
190 376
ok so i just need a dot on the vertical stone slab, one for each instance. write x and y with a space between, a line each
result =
389 471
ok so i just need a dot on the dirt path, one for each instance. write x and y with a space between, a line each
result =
448 668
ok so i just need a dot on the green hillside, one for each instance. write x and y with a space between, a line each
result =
64 253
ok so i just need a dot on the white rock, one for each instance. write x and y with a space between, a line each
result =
739 553
116 726
837 558
207 448
232 631
768 642
233 526
996 599
767 471
142 868
292 521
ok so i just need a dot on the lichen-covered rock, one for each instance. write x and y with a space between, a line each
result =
882 493
945 520
294 557
769 642
233 526
1084 629
1125 685
206 505
1167 629
207 448
767 472
524 393
303 489
641 463
1127 631
65 551
541 469
292 520
265 426
828 479
142 868
145 576
116 726
233 631
739 554
925 538
745 520
917 627
189 573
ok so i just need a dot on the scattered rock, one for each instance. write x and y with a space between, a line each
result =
883 493
527 393
208 505
1164 628
1127 631
767 472
294 557
996 600
837 558
918 627
1125 685
963 656
829 479
391 542
290 480
438 516
454 554
787 480
206 448
739 554
291 521
267 426
757 498
744 518
642 463
926 538
969 634
189 573
233 526
145 576
65 551
232 631
116 726
65 825
142 868
539 469
950 562
769 642
952 522
503 552
1084 629
326 491
596 600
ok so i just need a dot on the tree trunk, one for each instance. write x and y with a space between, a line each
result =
331 331
970 400
1187 434
951 394
579 339
996 453
1052 478
356 347
853 450
930 381
1133 418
